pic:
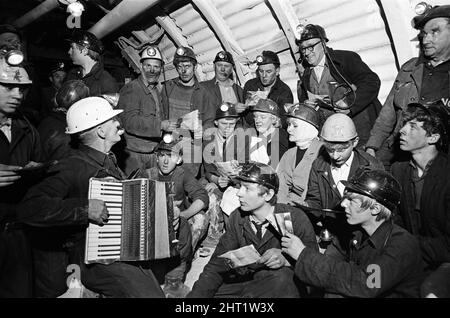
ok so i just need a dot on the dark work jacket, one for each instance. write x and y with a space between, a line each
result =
56 209
62 198
366 106
240 234
237 148
213 88
280 93
387 264
186 187
25 146
323 193
142 116
55 141
434 232
216 98
98 80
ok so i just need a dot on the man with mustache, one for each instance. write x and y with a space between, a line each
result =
58 210
424 79
143 112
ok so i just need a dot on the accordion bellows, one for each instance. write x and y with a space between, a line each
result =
140 221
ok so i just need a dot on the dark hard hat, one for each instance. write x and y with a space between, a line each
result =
70 92
171 145
266 106
268 57
226 110
305 113
8 28
224 56
376 184
313 31
57 66
259 173
87 40
419 21
184 54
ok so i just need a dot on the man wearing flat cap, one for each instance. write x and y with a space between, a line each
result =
85 52
424 79
223 87
323 66
267 85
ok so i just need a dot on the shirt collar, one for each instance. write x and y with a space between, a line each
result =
381 234
227 83
7 122
427 167
98 156
321 63
346 164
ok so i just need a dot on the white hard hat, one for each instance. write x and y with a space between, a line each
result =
151 52
89 112
12 74
338 128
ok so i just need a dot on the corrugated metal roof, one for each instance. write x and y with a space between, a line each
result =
355 25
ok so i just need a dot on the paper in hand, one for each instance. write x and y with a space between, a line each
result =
283 223
254 96
242 256
230 200
227 168
190 121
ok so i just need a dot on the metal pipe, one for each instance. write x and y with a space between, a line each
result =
35 13
120 14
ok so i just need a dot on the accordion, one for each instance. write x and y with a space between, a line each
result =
140 221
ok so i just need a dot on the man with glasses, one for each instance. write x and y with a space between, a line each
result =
183 95
339 163
358 84
424 79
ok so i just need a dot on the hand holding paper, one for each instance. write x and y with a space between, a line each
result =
242 257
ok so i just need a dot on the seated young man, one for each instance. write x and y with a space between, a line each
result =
190 199
425 180
223 154
384 259
336 164
255 223
225 145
